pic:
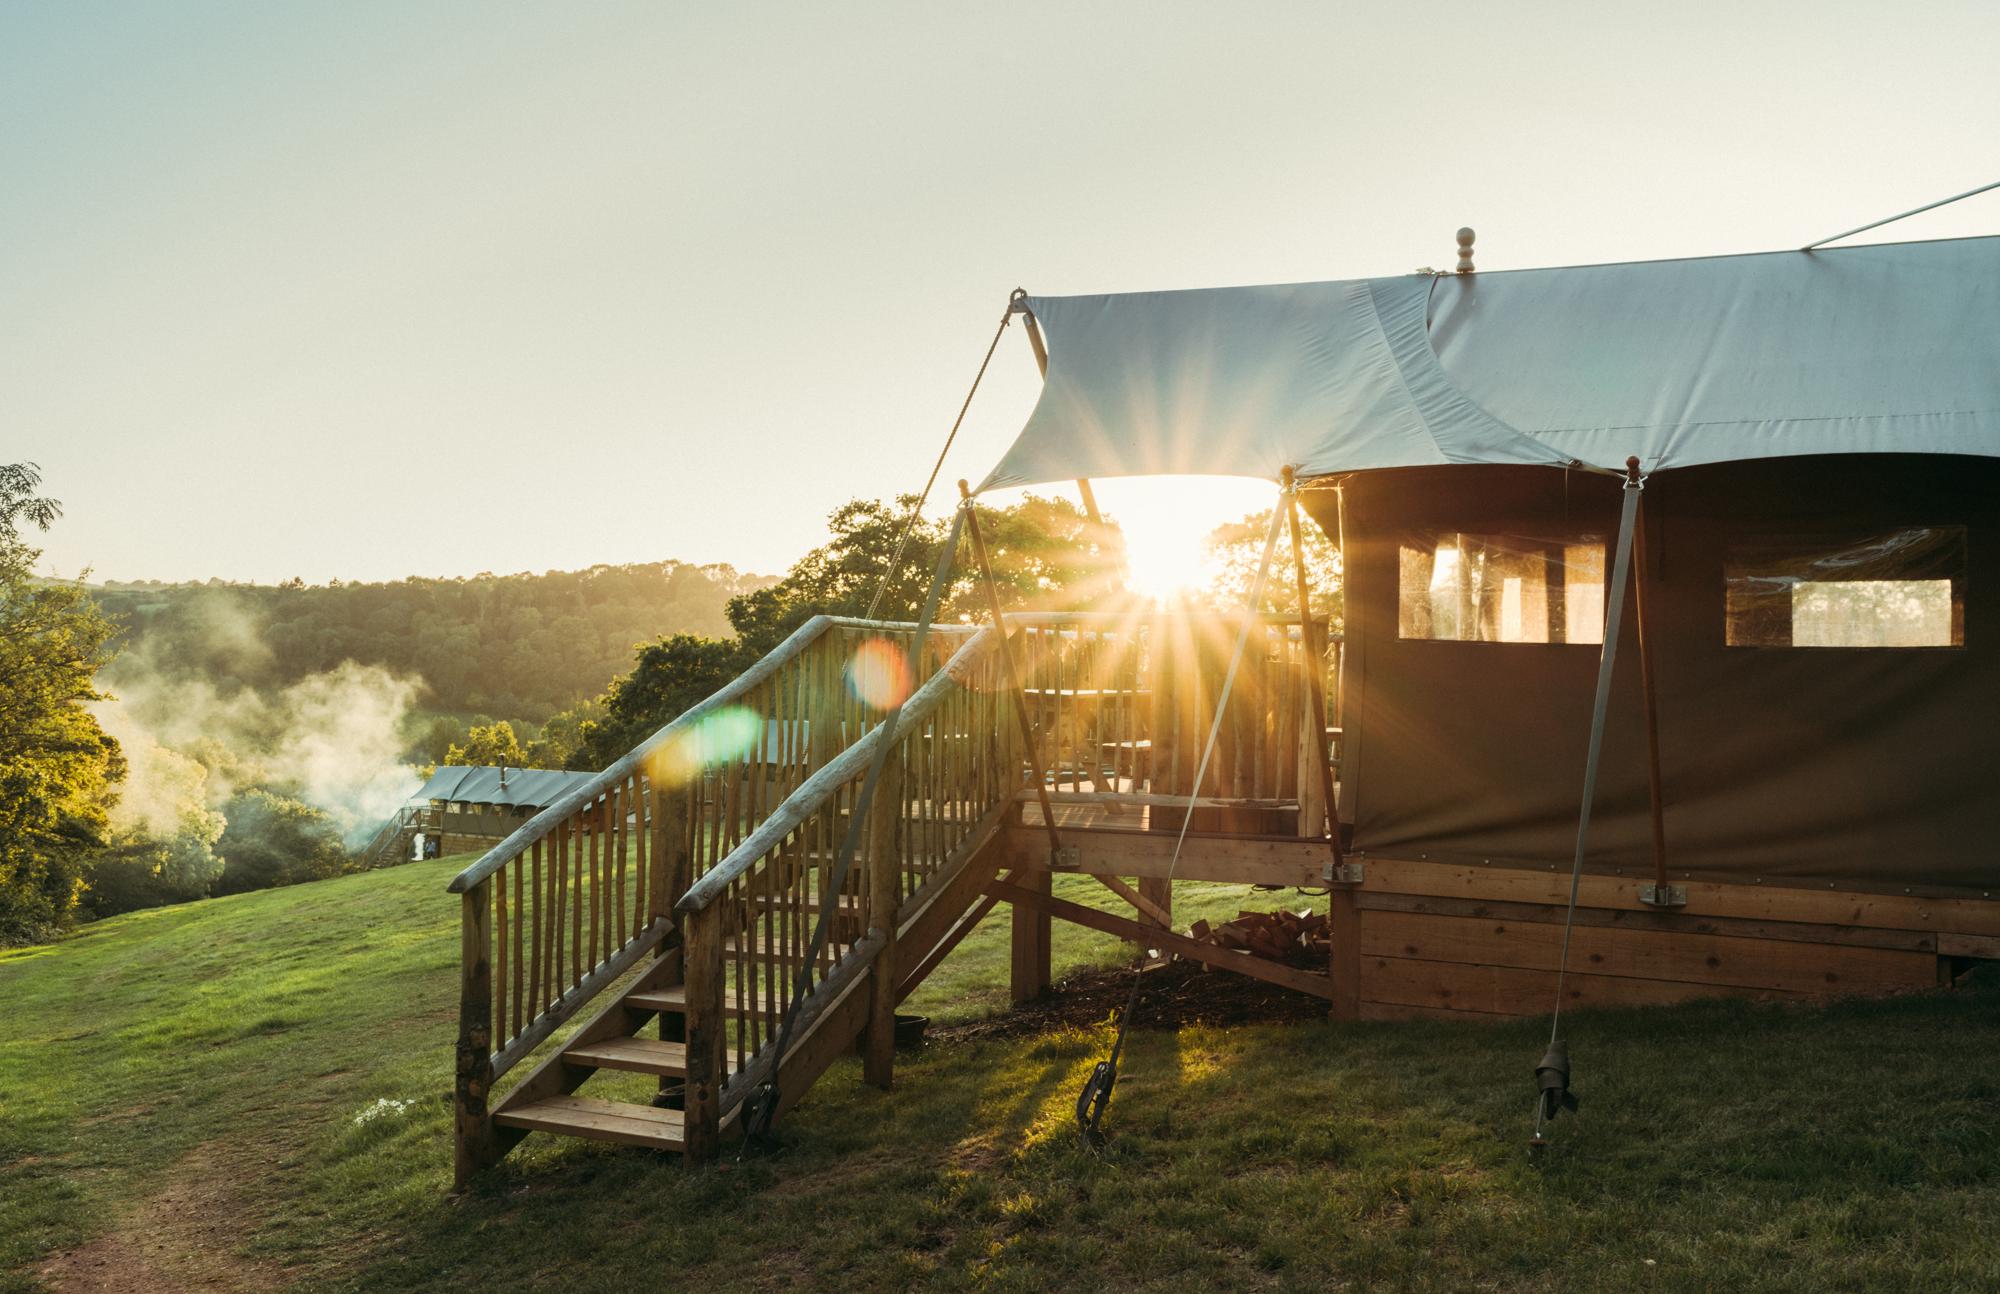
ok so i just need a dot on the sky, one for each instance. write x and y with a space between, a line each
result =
366 290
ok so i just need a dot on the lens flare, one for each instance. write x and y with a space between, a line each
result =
879 674
712 739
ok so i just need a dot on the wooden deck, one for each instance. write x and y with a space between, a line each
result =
1433 939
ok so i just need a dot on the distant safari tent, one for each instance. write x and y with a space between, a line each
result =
463 809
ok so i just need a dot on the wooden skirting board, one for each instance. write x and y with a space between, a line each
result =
1483 941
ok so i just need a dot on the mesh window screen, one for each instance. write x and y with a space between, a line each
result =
1904 588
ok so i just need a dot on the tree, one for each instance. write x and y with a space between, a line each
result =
489 746
1044 552
1236 547
669 676
57 766
273 839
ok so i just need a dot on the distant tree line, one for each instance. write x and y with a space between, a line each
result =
523 646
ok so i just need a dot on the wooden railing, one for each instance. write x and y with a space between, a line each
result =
951 770
585 889
1124 707
717 836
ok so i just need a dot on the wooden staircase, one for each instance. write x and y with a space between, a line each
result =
655 921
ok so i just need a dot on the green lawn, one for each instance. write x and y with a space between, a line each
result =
194 1093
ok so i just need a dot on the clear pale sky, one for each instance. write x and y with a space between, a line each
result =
375 289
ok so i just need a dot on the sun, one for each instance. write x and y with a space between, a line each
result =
1167 520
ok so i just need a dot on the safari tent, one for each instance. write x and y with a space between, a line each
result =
1667 668
1816 434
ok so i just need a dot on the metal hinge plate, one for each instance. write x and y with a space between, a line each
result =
1342 874
1669 896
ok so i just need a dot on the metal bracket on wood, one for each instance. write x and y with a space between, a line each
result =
1342 873
1066 856
1664 896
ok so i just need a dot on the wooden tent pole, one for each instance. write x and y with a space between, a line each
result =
1653 789
1316 664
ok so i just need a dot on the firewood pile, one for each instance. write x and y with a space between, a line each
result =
1280 936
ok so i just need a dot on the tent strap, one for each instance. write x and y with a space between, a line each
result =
1621 569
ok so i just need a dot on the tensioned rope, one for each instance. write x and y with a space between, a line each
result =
1552 1075
1901 215
916 509
1096 1094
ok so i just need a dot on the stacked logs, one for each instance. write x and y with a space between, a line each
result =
1299 937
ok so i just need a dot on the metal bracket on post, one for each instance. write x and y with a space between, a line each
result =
1663 896
1066 857
1343 874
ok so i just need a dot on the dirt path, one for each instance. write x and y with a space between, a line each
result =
188 1236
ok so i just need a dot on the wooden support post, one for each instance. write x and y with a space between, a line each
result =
474 1145
1030 968
1315 666
1343 908
707 1033
1653 788
884 873
1031 932
1158 891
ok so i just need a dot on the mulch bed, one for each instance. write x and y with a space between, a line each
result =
1176 993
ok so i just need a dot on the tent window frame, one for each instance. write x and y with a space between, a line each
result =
1764 573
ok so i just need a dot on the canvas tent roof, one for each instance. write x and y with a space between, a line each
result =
1892 348
533 788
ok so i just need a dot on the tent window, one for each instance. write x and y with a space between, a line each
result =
1904 588
1458 587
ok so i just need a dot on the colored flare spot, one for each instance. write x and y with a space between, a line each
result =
878 674
713 739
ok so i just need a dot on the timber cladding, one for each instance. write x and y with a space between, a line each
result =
1437 938
1421 938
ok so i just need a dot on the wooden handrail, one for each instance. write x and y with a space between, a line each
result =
842 769
546 821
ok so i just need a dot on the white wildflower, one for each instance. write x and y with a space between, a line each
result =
384 1107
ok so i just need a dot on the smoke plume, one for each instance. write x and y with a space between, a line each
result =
332 738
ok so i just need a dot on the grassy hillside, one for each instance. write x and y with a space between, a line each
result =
248 1093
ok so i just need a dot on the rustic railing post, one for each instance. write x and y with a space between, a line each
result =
669 861
707 1031
884 871
473 1140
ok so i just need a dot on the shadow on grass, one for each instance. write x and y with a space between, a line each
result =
1720 1145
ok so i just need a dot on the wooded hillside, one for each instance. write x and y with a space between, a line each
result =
520 645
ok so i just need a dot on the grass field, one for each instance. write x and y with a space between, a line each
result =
248 1093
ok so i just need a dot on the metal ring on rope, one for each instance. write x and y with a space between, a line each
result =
1095 1097
1552 1074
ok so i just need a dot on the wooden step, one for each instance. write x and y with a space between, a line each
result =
584 1116
640 1055
673 1001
